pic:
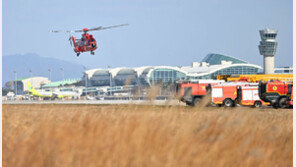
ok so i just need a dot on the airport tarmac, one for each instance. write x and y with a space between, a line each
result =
143 102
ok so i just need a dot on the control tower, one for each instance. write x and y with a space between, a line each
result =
267 48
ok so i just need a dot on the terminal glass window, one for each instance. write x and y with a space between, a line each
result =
100 80
235 70
231 71
166 75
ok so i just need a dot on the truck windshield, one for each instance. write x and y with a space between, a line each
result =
262 88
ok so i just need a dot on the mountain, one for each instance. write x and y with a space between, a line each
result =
39 66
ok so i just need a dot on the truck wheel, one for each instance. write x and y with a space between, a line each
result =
283 102
275 105
195 101
234 103
257 104
228 103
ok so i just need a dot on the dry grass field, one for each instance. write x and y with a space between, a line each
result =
139 135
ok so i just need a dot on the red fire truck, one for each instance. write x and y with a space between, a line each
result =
191 92
249 96
226 93
277 93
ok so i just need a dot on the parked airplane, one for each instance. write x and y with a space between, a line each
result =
49 94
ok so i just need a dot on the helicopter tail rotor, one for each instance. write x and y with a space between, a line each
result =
70 40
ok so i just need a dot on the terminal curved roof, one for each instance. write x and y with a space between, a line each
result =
101 72
114 71
143 70
166 67
214 59
91 72
170 68
127 71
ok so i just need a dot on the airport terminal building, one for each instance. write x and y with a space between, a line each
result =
211 66
21 85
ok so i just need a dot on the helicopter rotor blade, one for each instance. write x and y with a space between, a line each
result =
78 31
55 31
62 31
104 28
91 29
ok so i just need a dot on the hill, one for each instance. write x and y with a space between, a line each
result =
39 65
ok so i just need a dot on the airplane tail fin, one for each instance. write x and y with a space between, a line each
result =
31 89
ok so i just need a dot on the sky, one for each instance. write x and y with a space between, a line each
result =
160 32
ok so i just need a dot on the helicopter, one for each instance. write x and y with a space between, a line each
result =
87 43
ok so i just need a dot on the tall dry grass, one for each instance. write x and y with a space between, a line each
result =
138 135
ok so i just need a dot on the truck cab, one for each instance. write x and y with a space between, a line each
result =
191 92
277 93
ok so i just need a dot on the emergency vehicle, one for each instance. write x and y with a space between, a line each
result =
278 93
226 93
192 91
249 96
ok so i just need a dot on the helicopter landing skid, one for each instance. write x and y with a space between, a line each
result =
77 54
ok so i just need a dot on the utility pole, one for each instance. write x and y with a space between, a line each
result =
63 73
15 81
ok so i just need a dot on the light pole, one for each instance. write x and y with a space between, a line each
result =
63 73
110 78
50 79
86 77
31 75
15 80
49 74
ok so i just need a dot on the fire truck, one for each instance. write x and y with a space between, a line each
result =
191 92
249 96
225 94
277 93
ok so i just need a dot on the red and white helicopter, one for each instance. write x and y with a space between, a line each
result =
87 43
